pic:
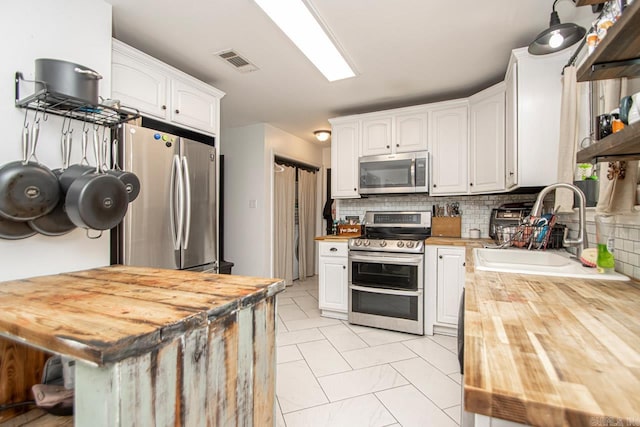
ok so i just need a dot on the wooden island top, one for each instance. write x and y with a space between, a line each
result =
107 314
151 346
551 351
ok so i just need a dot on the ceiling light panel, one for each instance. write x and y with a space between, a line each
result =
296 20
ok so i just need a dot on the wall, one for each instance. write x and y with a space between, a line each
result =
73 30
476 210
245 215
248 154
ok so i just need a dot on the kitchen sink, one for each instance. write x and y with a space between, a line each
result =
545 263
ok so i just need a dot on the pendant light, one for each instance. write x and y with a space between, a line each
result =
557 37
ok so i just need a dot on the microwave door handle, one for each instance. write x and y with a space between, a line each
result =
386 291
413 172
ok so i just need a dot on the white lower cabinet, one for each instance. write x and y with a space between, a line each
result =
445 277
333 293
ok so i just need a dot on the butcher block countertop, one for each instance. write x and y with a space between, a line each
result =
551 351
333 238
105 315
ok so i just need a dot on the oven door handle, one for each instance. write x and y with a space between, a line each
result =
412 260
386 291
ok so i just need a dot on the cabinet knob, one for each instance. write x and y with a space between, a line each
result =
397 145
435 185
355 189
177 111
511 174
344 267
387 146
464 264
440 257
164 107
471 184
333 249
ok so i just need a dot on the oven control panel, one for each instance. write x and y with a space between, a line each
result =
387 245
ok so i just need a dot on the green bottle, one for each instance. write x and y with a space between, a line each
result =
605 262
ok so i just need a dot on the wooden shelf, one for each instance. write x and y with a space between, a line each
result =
623 145
589 2
618 54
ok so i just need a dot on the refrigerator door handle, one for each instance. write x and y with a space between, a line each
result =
176 202
187 203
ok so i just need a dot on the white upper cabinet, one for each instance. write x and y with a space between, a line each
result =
511 127
486 140
377 136
138 84
194 107
534 118
448 137
411 131
163 92
345 151
399 131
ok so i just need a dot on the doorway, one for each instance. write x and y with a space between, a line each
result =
295 214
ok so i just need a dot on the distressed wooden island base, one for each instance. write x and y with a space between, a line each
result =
154 347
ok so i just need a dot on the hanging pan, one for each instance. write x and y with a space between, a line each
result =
57 222
27 188
96 200
129 179
14 230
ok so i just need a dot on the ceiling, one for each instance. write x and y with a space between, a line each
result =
405 52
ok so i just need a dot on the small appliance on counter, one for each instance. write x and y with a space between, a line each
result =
507 215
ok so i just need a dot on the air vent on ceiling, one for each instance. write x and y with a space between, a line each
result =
234 59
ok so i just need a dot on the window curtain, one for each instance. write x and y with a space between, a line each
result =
284 211
569 120
617 179
307 222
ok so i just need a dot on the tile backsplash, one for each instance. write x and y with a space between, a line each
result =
476 210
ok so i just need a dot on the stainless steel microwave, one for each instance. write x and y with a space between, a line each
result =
395 173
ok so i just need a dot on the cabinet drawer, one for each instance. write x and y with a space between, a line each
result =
337 249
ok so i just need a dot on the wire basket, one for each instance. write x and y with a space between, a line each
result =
548 236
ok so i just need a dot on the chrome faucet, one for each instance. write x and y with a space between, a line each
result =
580 242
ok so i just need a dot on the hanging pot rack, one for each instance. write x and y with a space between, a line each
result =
72 108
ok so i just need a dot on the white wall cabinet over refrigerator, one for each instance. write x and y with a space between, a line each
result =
398 131
345 150
333 280
486 140
445 278
534 94
163 92
448 136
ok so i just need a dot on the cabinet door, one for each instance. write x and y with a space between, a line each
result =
193 107
449 140
410 132
376 136
450 282
333 284
139 85
345 144
486 140
511 127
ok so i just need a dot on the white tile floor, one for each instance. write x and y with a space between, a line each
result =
333 374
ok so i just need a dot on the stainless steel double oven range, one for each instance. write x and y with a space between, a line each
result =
386 271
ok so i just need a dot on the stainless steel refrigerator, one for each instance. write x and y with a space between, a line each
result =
173 222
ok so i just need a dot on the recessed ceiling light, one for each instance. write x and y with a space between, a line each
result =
296 20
